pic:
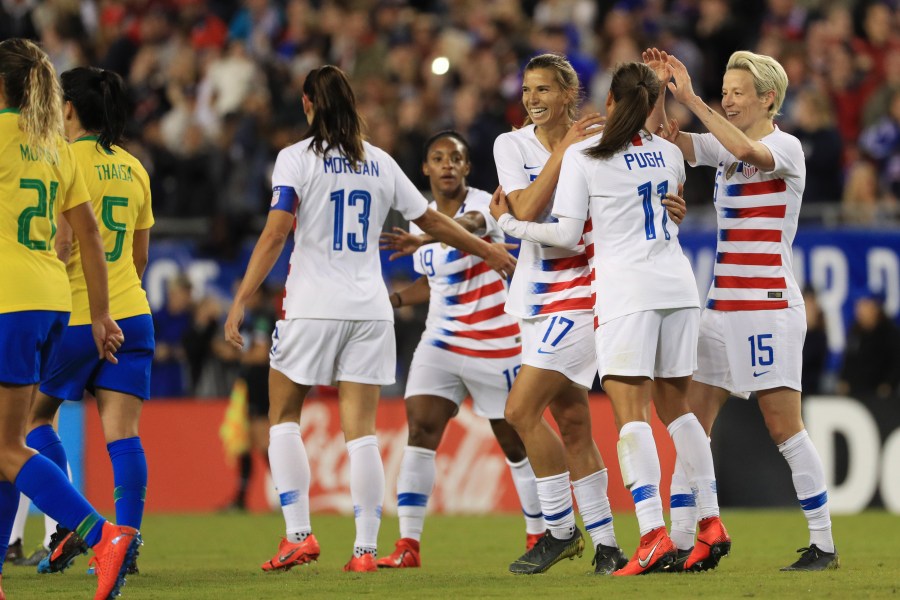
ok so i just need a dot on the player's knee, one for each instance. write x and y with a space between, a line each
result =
424 435
518 415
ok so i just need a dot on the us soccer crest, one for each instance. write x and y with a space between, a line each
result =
748 170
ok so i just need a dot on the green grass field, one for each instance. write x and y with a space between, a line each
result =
218 556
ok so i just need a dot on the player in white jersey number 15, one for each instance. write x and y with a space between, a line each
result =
337 327
752 330
470 347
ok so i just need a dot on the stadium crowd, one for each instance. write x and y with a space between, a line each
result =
217 88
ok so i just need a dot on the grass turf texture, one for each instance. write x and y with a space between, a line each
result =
218 556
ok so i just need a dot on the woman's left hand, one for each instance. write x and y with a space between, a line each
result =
675 205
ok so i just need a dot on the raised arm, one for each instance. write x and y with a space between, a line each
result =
733 139
446 230
658 122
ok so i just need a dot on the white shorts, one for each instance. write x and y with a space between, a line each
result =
564 343
746 351
437 372
326 351
649 343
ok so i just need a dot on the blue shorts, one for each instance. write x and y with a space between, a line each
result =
28 341
76 368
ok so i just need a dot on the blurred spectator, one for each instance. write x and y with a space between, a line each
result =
881 142
257 24
879 39
872 358
171 324
718 35
198 343
815 346
822 146
16 19
862 203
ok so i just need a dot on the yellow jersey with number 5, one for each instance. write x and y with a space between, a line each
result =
35 186
119 188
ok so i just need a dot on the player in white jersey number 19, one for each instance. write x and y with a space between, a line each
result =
337 323
753 326
470 347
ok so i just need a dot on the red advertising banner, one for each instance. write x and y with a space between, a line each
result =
189 471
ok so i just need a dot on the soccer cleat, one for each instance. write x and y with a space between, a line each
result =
712 544
531 539
656 551
608 559
292 554
65 547
114 553
547 552
404 556
14 552
814 559
361 564
681 557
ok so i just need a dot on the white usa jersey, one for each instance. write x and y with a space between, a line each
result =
465 313
637 263
335 268
547 280
757 215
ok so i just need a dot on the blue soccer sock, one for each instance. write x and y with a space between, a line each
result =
9 502
130 476
45 440
51 492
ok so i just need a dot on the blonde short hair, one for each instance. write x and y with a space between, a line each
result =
768 75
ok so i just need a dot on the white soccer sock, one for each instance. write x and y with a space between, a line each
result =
18 528
414 486
809 483
641 473
593 504
290 472
366 490
692 447
555 495
524 480
683 508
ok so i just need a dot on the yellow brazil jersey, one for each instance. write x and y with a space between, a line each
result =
35 186
120 193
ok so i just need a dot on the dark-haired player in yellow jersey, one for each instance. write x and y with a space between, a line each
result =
38 182
95 113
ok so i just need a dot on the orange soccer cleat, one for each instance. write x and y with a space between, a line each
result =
361 564
113 554
291 554
712 544
656 551
404 556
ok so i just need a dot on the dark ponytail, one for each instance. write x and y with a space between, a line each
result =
635 88
336 124
101 101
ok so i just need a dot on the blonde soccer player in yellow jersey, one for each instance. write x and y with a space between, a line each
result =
95 113
38 182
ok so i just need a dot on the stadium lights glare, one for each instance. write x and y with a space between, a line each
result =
440 65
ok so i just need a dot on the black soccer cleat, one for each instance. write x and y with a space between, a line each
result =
608 559
14 552
33 559
65 547
547 552
814 559
680 558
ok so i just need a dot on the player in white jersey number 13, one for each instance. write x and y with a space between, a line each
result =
646 308
751 333
337 327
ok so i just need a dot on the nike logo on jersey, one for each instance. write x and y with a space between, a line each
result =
755 374
542 351
527 168
646 561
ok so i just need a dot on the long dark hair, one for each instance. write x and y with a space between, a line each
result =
336 124
101 101
635 88
31 87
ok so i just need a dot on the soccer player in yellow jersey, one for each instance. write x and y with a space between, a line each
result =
39 182
95 112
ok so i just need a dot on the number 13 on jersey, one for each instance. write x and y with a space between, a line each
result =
362 201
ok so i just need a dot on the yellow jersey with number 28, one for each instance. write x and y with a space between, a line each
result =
36 184
119 188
